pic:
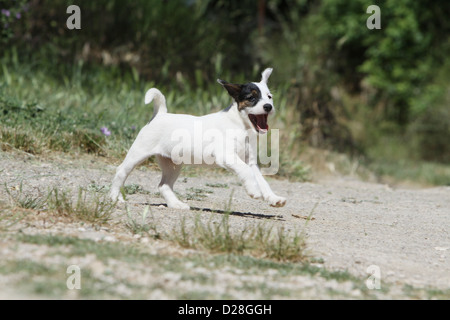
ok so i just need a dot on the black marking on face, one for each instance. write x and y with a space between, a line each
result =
232 88
245 95
249 96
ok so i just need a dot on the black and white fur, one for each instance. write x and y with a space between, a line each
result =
245 117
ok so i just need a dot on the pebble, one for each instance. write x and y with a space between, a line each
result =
110 239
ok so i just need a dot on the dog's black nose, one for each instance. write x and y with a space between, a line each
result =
267 107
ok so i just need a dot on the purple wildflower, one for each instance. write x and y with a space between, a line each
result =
18 15
6 12
133 128
105 131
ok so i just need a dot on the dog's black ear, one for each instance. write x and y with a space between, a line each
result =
234 90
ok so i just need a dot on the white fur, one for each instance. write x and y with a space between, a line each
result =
165 132
266 74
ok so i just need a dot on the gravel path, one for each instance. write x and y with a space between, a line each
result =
402 233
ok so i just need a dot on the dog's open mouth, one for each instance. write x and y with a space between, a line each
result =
259 121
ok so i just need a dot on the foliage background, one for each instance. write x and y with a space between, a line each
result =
381 96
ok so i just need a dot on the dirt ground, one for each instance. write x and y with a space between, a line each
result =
355 226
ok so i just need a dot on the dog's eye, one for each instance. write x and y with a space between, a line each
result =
269 96
251 98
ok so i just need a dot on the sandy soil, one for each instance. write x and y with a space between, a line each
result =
403 232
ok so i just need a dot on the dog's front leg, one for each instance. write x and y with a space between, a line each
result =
267 193
246 176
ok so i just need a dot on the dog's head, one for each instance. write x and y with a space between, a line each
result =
254 101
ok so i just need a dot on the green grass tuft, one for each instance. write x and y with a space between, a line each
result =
255 240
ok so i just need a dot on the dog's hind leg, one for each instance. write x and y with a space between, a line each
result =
132 159
170 173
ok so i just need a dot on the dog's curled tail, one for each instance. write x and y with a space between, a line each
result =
160 101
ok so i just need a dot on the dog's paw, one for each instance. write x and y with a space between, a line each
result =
276 201
253 191
179 205
254 194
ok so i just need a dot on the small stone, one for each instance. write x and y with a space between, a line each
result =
110 239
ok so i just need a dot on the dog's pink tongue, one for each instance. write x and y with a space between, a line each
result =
261 122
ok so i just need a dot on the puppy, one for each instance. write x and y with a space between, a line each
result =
219 139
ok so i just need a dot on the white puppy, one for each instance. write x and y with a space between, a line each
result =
220 139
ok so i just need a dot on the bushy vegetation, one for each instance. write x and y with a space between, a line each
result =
379 94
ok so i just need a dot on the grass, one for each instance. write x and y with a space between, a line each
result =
134 188
127 189
92 208
18 198
10 216
146 272
198 194
218 185
427 173
65 112
256 240
88 206
45 113
214 236
262 261
68 115
140 226
218 236
65 109
129 271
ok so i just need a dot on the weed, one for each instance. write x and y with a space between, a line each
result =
10 216
127 189
97 209
19 206
429 173
135 188
141 227
256 240
228 204
282 246
217 185
19 199
68 115
197 194
21 140
94 187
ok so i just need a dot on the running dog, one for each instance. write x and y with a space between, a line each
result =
219 139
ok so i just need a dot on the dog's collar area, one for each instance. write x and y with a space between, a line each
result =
228 108
259 121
